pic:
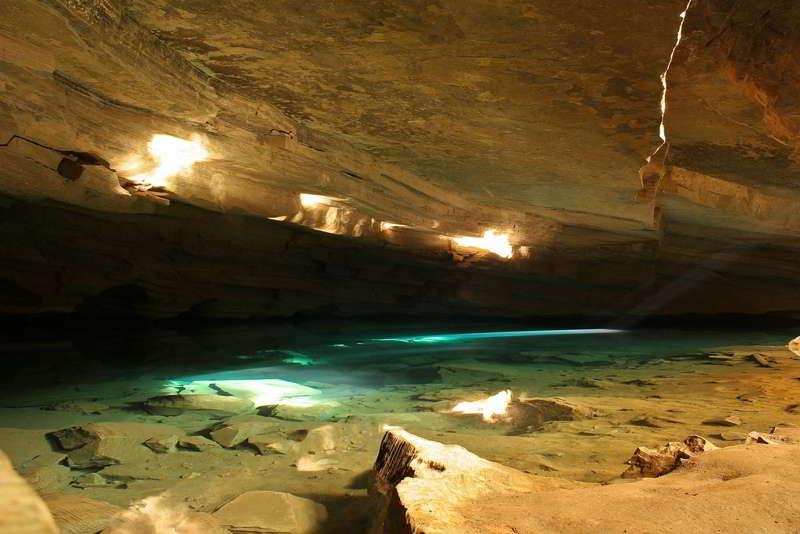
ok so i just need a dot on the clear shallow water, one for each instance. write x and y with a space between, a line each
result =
344 360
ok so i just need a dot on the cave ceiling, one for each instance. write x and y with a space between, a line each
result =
426 118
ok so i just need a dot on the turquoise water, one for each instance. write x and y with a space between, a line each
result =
354 357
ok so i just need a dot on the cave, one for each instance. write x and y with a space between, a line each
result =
412 267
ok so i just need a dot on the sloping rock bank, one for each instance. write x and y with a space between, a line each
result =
429 488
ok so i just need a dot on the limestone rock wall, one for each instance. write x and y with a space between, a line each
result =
417 123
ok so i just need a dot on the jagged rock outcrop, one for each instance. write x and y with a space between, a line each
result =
429 488
647 462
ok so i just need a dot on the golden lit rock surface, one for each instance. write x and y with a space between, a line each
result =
418 124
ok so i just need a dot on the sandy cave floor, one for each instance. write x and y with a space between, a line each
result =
637 402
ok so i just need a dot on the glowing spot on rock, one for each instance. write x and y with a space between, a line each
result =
389 225
310 201
491 408
172 156
497 243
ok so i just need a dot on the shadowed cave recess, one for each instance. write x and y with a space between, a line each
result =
377 267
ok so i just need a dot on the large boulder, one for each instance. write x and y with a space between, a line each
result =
271 511
420 484
430 488
21 509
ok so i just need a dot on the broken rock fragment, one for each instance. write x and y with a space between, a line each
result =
230 435
270 444
197 443
162 445
271 511
170 405
85 408
103 444
778 434
647 462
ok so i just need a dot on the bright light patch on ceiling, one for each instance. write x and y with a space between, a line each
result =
309 201
497 243
388 226
443 338
491 408
172 156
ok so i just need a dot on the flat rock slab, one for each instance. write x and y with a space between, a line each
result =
271 512
75 514
170 405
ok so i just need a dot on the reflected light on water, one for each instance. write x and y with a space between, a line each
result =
491 408
444 338
261 392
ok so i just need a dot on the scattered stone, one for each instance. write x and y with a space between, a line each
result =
271 511
528 415
162 445
793 409
647 462
230 435
639 382
778 434
316 412
731 420
85 408
750 396
75 514
653 421
171 405
22 511
197 443
730 436
584 382
761 360
103 444
268 444
89 480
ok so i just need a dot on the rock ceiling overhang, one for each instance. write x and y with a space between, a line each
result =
421 120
